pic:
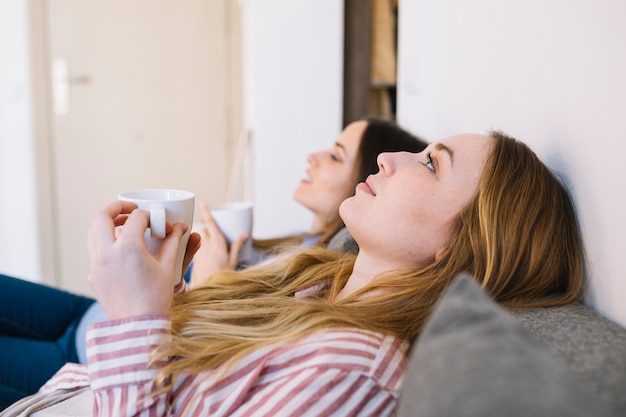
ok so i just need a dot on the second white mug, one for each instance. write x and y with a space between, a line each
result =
233 219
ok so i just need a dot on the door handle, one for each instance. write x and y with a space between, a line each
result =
61 81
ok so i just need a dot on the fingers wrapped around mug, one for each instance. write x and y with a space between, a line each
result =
214 253
126 278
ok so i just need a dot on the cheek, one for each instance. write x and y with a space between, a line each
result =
429 218
442 217
340 184
326 193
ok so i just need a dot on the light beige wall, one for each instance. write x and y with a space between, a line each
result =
548 72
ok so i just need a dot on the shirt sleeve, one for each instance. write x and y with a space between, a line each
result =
120 370
70 377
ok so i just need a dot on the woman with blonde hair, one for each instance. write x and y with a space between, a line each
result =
42 328
320 333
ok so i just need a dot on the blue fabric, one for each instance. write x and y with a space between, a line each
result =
187 276
94 314
37 335
310 241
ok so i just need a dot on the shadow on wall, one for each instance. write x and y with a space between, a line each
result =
556 159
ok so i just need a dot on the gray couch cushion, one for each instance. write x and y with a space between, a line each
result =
343 241
472 359
593 347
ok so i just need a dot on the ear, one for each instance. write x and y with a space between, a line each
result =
439 254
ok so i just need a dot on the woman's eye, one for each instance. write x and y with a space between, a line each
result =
429 163
334 157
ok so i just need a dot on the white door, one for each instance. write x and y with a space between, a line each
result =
148 103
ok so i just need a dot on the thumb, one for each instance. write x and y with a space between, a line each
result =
235 248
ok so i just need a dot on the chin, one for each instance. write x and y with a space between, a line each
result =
344 209
302 200
297 195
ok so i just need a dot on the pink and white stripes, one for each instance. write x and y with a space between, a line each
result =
337 372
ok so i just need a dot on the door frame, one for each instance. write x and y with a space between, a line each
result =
42 138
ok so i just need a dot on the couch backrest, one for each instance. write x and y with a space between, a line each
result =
475 359
592 346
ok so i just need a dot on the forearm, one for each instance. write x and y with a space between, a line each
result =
121 374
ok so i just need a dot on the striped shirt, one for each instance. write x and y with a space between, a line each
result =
338 372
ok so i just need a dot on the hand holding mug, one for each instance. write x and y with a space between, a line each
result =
216 251
164 205
234 220
127 279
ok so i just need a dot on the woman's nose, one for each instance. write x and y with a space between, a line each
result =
388 162
315 158
385 162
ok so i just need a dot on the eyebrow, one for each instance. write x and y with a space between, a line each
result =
442 147
339 145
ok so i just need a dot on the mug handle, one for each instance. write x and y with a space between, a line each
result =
157 221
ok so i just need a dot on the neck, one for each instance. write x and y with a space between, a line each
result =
366 268
319 225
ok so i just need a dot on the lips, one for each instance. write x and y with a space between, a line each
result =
366 187
307 179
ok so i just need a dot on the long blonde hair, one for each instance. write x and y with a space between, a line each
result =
518 236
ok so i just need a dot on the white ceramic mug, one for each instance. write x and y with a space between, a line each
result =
174 206
233 219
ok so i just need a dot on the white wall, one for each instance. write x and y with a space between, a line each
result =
293 81
551 73
19 245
